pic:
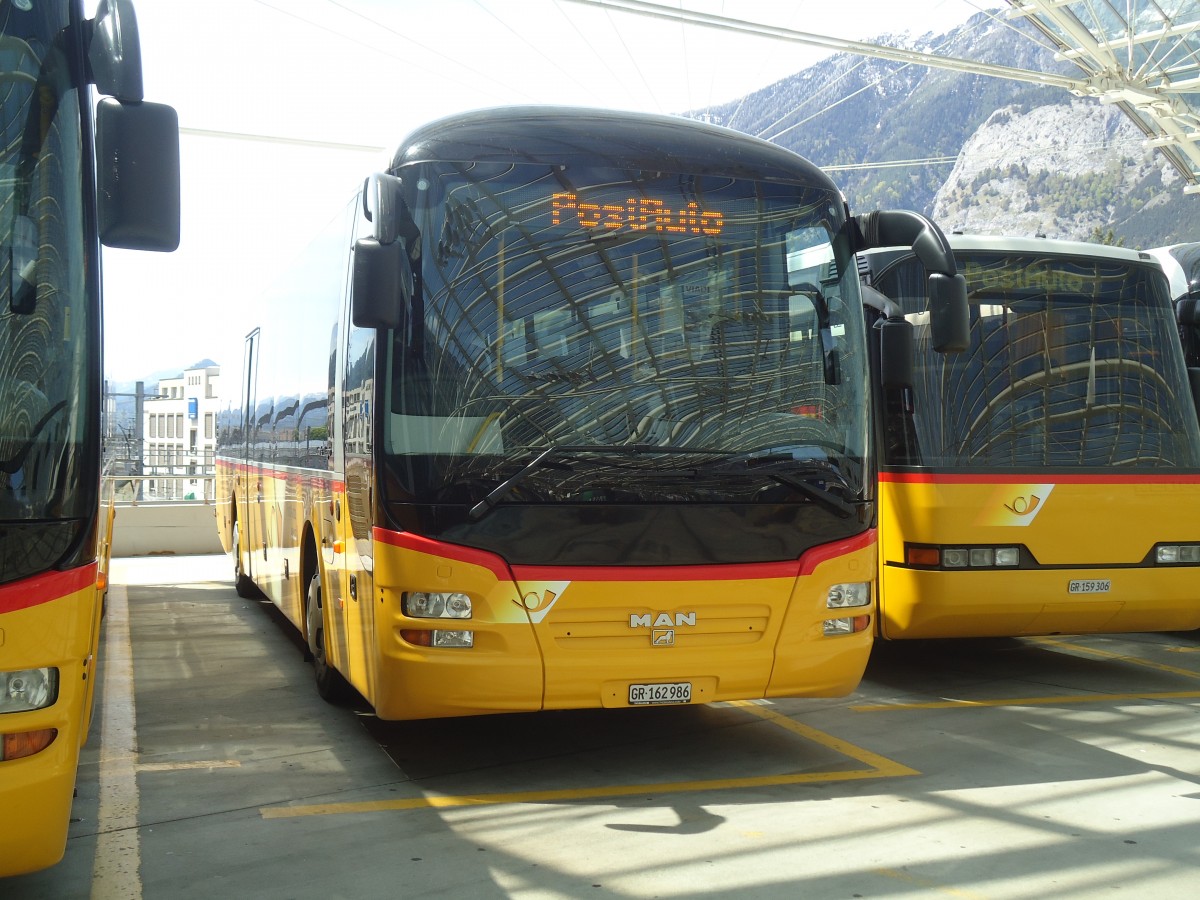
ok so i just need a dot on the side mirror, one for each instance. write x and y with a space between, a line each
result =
1187 309
137 173
381 204
383 274
385 209
115 51
382 284
895 352
949 316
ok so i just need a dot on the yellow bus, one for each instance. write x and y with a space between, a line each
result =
569 409
71 177
1046 480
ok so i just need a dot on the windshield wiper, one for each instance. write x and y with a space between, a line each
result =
802 476
823 496
504 488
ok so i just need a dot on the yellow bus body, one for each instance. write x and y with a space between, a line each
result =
1090 528
53 621
547 637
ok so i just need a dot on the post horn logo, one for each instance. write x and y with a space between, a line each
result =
1014 504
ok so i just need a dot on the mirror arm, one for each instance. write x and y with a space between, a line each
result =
902 228
114 51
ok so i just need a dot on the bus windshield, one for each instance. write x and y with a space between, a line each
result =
654 331
49 339
1073 363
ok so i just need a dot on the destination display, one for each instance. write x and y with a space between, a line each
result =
1037 276
634 214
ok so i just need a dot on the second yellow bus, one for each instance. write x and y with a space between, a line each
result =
1047 479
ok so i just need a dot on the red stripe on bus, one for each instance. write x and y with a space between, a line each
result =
790 568
805 565
410 541
1031 477
45 588
249 470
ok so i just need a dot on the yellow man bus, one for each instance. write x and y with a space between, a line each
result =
70 178
1046 480
569 409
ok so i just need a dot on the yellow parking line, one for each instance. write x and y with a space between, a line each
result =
1106 654
117 861
880 767
878 763
909 878
1029 701
193 764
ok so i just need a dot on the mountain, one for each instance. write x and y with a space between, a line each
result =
977 152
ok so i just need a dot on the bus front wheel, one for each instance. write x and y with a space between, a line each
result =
330 684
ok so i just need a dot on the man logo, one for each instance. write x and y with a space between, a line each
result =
663 637
662 620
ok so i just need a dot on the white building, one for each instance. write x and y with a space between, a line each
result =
179 434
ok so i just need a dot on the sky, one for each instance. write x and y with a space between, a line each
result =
286 105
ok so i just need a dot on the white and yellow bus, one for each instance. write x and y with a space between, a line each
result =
569 409
1046 480
71 177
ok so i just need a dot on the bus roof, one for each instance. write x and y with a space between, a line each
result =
1181 262
1034 245
881 258
554 135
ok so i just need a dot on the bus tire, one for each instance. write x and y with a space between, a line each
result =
246 589
330 684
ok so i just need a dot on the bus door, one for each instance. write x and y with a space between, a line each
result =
350 613
248 485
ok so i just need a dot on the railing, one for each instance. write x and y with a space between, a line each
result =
154 487
146 524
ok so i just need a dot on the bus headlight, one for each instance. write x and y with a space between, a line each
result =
1177 554
26 689
420 637
436 605
955 558
1008 556
933 557
847 625
842 596
850 595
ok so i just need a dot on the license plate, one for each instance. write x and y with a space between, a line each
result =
654 694
1090 586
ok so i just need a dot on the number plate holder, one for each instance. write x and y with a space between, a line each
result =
660 694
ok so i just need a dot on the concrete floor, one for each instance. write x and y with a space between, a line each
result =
1065 767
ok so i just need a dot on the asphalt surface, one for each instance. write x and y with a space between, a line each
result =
1064 767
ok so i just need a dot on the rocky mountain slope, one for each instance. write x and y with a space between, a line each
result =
978 153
